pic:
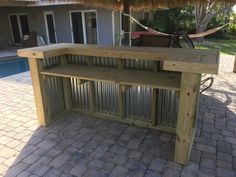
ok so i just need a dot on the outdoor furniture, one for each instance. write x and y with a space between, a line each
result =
119 83
148 40
31 40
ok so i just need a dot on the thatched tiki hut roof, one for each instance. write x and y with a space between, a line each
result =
117 4
145 4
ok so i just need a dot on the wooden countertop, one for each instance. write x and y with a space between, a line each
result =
174 59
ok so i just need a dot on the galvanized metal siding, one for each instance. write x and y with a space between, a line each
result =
137 98
53 86
167 107
138 103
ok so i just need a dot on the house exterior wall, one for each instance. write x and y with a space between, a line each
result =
62 22
5 33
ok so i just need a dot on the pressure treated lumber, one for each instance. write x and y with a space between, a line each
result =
66 83
208 64
125 77
154 95
135 122
187 64
121 101
184 60
41 99
188 102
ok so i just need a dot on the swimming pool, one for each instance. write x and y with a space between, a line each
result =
13 66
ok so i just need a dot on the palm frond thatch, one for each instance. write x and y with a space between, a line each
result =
145 4
118 4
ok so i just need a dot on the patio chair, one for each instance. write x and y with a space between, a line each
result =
30 40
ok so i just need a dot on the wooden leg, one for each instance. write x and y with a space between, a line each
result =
67 93
188 102
40 96
66 82
92 103
121 101
234 70
154 107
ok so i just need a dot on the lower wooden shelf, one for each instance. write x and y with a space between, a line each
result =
166 80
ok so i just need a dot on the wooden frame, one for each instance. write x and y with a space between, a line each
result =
83 23
174 59
188 63
113 26
45 13
18 23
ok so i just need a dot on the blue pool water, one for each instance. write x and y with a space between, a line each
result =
13 66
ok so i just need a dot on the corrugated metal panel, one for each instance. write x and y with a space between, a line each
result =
80 97
105 61
53 87
106 95
167 108
138 103
76 59
143 65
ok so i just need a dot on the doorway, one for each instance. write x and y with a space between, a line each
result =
50 27
19 27
84 27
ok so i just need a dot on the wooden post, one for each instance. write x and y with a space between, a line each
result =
40 97
121 101
91 85
154 97
66 82
154 107
126 23
234 70
188 103
91 96
121 92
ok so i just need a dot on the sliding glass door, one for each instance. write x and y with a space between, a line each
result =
77 27
50 27
84 27
91 27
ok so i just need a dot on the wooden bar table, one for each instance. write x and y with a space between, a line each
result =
122 84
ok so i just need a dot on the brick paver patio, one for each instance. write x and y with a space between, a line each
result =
85 146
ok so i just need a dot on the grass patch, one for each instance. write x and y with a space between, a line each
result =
225 46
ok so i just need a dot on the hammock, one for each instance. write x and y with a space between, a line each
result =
202 34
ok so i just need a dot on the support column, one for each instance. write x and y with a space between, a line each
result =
154 96
188 104
66 87
91 85
40 97
121 92
121 101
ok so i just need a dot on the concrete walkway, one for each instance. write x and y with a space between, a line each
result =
8 53
85 146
